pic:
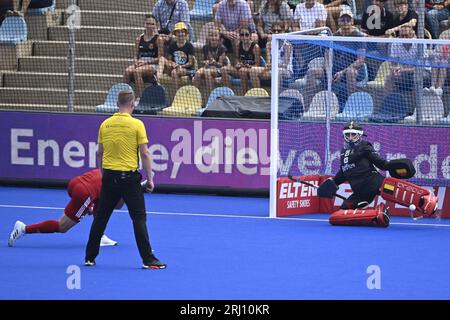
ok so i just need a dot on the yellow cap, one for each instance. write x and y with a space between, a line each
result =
180 26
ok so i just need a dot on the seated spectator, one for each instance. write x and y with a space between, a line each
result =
285 66
216 6
405 16
230 17
401 76
334 8
248 62
309 15
377 19
20 7
146 62
441 56
272 11
168 13
214 58
181 60
348 67
437 11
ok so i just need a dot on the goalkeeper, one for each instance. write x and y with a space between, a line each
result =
359 161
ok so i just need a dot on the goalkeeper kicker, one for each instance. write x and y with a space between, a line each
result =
358 163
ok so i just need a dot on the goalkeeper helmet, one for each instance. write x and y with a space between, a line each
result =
352 132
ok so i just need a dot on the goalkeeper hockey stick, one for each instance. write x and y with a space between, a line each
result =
314 186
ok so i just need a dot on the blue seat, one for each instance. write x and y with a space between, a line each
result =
41 7
359 106
110 104
202 10
217 93
393 109
214 95
154 99
13 30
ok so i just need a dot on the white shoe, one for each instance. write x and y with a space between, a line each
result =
105 241
18 231
426 89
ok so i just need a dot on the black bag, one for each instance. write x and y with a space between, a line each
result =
165 29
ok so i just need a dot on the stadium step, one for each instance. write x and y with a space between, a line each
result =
82 65
111 19
49 96
44 107
60 80
96 34
84 49
117 5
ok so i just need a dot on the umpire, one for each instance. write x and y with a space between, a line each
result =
120 139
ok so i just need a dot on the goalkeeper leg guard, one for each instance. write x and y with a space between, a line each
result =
377 217
406 194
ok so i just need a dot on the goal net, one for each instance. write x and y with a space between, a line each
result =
396 88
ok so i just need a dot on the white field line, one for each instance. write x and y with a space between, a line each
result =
226 216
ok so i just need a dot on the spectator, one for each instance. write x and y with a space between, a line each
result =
348 67
180 52
308 15
247 66
376 20
402 75
285 65
405 16
20 7
230 17
148 51
334 8
168 13
216 6
214 58
441 57
272 11
437 11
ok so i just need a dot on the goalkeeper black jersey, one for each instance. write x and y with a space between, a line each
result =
358 167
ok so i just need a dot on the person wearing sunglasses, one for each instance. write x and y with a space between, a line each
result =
148 55
285 50
272 11
248 66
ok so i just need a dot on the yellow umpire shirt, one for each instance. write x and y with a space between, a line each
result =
121 135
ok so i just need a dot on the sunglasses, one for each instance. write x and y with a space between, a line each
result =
245 34
276 30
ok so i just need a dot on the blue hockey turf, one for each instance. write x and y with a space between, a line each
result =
221 248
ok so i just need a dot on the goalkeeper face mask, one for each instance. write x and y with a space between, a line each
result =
352 135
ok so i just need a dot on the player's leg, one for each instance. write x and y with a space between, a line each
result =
133 196
354 211
409 195
377 217
139 74
109 197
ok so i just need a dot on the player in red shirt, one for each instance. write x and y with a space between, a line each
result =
84 192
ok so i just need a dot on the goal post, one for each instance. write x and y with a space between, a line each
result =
386 84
